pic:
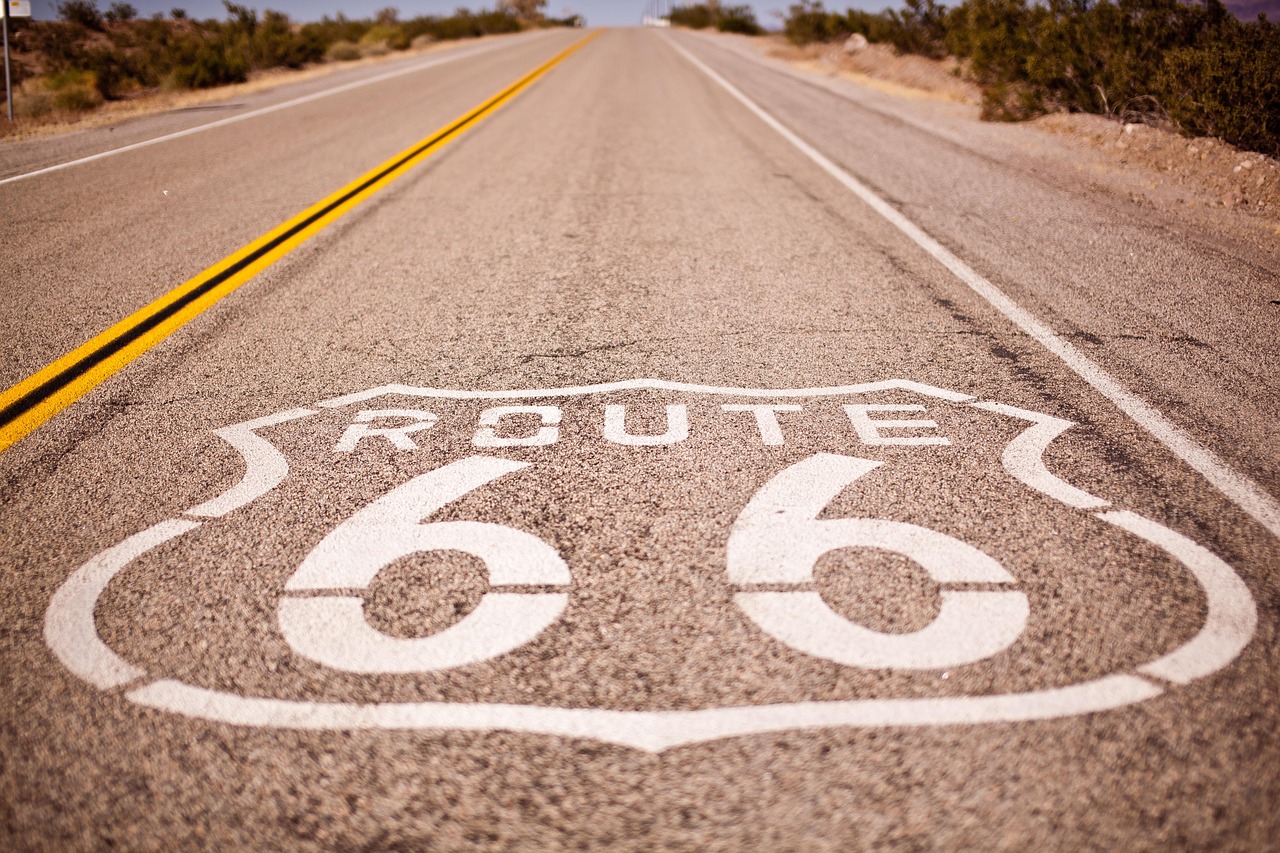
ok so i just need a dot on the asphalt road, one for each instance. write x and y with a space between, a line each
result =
631 474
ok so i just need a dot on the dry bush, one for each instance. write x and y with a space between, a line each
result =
342 51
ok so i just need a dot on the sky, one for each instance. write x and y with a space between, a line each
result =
598 12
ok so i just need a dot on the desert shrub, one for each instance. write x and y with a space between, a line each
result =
391 36
274 44
110 73
77 99
342 51
328 30
726 19
1229 88
737 19
121 13
918 28
68 91
208 68
696 17
133 53
32 100
1191 63
81 12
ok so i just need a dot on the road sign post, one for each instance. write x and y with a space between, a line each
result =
12 9
8 84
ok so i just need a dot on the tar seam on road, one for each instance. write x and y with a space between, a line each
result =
33 401
1239 489
296 102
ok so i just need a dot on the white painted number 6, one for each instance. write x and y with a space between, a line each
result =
331 629
778 539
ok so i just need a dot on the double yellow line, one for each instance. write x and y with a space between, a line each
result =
27 405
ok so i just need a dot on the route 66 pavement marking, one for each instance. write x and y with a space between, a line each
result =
770 553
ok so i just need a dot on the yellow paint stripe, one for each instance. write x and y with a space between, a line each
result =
252 259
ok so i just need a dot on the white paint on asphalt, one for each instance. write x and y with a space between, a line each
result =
397 435
265 467
390 528
548 432
766 419
396 389
1242 491
869 429
347 561
778 539
69 627
333 631
305 99
651 731
1023 458
971 625
615 427
1233 615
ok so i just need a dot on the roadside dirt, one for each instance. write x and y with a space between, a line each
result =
1150 164
878 66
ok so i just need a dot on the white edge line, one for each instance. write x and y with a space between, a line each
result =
314 96
646 385
1242 491
69 627
651 731
264 466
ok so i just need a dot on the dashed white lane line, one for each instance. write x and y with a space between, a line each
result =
305 99
1242 491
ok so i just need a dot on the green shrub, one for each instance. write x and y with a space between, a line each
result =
77 99
1230 90
328 30
726 19
919 28
1191 63
82 12
737 19
694 17
210 67
181 53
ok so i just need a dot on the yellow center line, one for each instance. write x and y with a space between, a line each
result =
36 399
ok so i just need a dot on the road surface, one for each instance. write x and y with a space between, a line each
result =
677 454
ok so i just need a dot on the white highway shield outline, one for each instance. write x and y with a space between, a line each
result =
71 632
